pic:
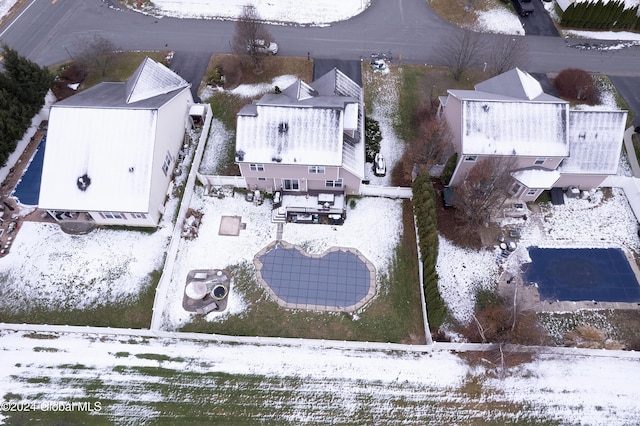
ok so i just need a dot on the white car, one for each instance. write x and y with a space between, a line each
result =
262 46
379 166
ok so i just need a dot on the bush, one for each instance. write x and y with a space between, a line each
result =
425 211
449 168
576 85
373 136
23 86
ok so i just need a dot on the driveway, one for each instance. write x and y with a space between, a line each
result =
628 88
539 22
191 66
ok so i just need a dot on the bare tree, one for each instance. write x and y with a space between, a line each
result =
95 53
461 52
249 28
484 190
505 54
434 138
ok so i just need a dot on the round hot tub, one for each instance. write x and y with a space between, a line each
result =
219 292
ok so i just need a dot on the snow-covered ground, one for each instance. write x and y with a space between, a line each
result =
577 390
139 378
384 110
5 7
317 12
211 251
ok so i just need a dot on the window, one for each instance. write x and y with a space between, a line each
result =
317 170
138 215
333 183
471 158
112 215
262 179
515 188
532 192
540 161
167 163
291 184
256 167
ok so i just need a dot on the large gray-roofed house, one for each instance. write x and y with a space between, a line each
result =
111 148
309 138
509 116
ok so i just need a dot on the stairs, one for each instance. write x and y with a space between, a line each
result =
278 215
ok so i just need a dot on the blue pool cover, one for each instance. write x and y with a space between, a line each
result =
28 189
602 275
336 279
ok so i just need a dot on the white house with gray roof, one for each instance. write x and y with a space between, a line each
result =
551 144
111 149
306 140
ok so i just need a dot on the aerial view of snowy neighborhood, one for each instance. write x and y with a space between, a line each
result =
362 212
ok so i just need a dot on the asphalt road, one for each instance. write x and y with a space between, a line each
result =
45 30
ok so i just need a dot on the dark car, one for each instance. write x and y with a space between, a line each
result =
523 7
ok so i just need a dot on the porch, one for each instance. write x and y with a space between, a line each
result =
324 207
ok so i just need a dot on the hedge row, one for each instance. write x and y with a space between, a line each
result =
424 205
600 15
23 86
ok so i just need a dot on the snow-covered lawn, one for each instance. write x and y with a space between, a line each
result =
317 12
384 102
143 379
373 227
57 271
5 7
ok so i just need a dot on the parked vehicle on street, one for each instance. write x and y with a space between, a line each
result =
523 7
264 47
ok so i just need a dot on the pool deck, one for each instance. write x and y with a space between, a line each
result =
529 297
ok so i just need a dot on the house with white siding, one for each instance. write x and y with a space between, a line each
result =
111 149
305 145
551 145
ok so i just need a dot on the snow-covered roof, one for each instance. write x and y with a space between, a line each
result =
108 133
291 135
112 146
152 79
536 177
595 139
305 124
514 128
514 83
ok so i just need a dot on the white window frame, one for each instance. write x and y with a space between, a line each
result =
256 167
138 215
167 163
316 170
470 158
540 161
113 215
338 183
291 184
